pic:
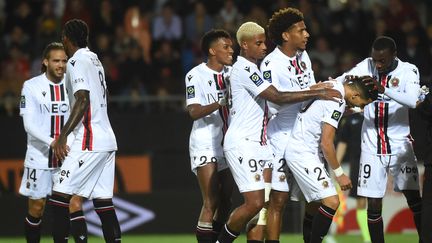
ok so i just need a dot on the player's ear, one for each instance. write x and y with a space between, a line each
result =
285 36
45 62
243 45
212 52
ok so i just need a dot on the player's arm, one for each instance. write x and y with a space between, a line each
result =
275 96
82 102
197 111
32 129
329 151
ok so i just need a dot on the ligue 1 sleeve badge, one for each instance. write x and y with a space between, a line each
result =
394 82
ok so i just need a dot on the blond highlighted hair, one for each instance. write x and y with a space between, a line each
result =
248 30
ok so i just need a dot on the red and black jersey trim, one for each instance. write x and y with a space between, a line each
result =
220 81
381 122
57 94
87 143
295 63
263 136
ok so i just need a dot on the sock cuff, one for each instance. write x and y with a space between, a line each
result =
32 220
326 211
103 205
78 215
59 201
231 232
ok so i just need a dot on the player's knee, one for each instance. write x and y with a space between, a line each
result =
256 205
278 200
75 204
331 202
36 208
375 204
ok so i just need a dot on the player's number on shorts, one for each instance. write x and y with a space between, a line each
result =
253 165
282 166
205 159
319 171
31 174
366 170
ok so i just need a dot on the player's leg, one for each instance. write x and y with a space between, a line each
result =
253 202
427 204
257 227
102 195
110 225
223 210
310 211
36 184
78 226
32 226
323 218
208 181
59 203
375 222
361 216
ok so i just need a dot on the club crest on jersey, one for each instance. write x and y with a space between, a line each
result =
190 92
336 115
394 83
267 76
22 101
303 65
256 79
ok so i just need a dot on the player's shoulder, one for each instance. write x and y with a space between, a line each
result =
406 66
35 81
195 72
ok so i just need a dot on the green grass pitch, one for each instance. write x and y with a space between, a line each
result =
171 238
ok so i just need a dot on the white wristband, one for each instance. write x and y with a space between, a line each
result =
338 172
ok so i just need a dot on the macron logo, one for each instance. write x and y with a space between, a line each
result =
73 62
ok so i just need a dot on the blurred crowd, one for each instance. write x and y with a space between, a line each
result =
147 46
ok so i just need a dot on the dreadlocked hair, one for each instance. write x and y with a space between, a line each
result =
281 21
366 90
77 32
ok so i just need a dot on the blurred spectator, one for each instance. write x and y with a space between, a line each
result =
134 71
106 18
47 28
15 70
168 70
167 25
401 17
197 23
417 53
22 16
325 55
17 37
79 10
258 15
138 27
229 18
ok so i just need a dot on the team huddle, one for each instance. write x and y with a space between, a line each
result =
265 124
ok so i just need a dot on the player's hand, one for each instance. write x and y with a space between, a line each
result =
330 94
223 101
60 148
344 182
321 85
368 80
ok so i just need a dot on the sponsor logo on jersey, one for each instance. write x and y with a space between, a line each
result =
336 115
267 76
256 79
394 82
22 101
190 92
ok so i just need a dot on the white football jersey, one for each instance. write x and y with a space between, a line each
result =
287 74
94 132
47 106
306 133
248 112
386 125
205 86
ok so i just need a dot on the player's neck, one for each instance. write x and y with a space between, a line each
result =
287 50
248 57
214 65
52 79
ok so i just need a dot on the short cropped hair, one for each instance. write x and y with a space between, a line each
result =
281 21
77 32
47 51
384 43
247 30
366 90
210 37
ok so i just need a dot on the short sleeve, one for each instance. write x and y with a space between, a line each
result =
192 89
77 74
334 112
255 83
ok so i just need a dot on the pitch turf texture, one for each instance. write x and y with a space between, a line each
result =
168 238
